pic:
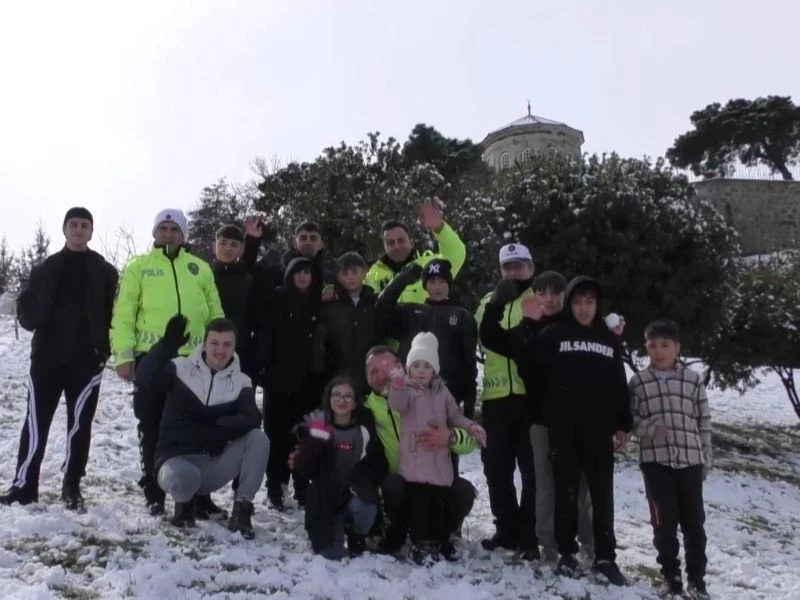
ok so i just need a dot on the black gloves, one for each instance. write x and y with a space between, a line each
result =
175 334
506 291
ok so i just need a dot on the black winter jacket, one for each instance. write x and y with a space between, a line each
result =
453 325
582 375
287 334
326 495
204 410
271 274
346 333
237 293
42 306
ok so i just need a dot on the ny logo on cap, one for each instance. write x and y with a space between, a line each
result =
434 269
168 218
512 248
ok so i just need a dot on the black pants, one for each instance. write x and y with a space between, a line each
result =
79 381
148 408
575 453
676 498
281 413
458 501
428 507
508 445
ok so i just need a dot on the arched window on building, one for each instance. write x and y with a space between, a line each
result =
527 154
505 160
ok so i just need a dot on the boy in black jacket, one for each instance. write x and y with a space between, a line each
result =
586 407
290 368
451 323
236 292
348 323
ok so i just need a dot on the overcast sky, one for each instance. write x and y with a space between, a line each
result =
130 110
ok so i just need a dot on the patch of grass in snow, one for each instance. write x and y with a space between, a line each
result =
70 592
649 574
755 523
766 451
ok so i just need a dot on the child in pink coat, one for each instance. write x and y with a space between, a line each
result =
422 398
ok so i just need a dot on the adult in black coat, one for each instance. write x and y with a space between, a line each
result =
348 323
289 366
452 324
344 461
67 303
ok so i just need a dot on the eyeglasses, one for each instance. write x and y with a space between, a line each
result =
342 396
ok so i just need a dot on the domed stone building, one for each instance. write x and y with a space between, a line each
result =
521 139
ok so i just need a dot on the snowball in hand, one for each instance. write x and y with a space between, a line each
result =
612 320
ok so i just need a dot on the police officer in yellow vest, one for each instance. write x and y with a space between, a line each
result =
154 287
506 416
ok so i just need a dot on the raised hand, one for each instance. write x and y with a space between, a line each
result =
430 215
532 308
253 226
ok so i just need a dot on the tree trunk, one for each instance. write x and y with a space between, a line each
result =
787 379
783 170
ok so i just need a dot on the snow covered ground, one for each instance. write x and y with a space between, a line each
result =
116 551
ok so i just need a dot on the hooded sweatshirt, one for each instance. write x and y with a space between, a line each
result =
582 373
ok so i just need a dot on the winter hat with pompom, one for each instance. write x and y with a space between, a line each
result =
425 347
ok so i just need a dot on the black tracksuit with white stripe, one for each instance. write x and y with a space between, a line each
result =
67 303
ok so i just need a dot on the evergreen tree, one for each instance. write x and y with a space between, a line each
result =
32 255
6 266
219 204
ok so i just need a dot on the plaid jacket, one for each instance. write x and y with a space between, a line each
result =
678 403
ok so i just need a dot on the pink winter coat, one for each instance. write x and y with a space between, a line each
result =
417 406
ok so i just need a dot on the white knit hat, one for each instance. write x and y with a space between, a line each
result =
173 215
425 347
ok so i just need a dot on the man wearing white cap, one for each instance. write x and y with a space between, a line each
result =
154 287
506 415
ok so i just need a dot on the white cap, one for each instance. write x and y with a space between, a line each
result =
173 215
425 347
514 253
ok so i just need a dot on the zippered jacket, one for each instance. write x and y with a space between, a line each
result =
152 290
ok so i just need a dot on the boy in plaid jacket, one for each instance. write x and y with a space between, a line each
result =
673 424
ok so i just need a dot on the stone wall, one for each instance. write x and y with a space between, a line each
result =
766 213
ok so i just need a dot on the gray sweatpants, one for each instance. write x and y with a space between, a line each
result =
246 458
546 496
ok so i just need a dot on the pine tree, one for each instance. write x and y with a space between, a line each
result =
6 266
32 255
219 204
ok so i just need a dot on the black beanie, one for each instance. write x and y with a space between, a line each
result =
78 212
438 267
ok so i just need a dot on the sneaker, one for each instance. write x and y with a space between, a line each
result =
207 510
275 500
449 552
530 554
18 496
240 519
696 590
356 544
71 495
498 541
568 566
610 571
184 514
672 585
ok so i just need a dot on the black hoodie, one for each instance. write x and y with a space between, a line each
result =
582 375
239 303
287 332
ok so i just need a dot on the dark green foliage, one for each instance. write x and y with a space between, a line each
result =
761 131
219 204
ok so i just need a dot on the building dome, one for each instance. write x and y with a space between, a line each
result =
521 139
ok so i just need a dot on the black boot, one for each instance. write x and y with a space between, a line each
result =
18 495
240 519
275 498
610 571
356 544
499 540
71 495
672 585
568 566
184 514
206 509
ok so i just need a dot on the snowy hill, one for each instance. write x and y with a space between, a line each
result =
116 551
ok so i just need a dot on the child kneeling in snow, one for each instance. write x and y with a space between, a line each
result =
344 462
422 398
673 424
